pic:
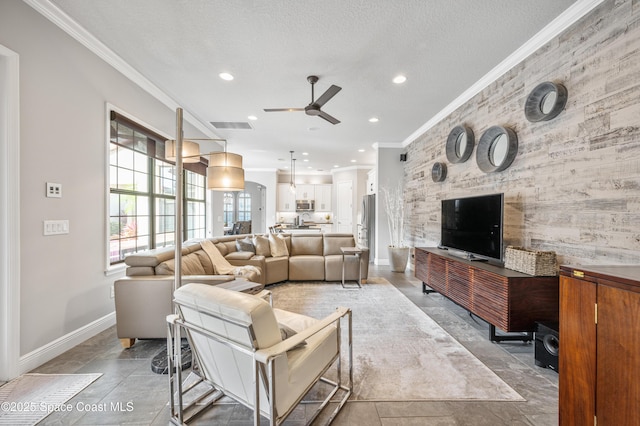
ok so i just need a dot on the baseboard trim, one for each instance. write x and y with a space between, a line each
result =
59 346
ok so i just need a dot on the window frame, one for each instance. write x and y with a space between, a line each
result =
154 158
235 212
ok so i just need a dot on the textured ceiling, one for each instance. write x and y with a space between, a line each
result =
443 47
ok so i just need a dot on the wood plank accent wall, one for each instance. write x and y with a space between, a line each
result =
574 186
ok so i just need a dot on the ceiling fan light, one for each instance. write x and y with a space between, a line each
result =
190 151
221 178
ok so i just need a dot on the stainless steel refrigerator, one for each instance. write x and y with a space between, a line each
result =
366 227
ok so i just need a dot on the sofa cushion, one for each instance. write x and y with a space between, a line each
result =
222 248
262 246
205 261
333 267
245 244
332 243
306 268
306 245
229 245
133 271
277 269
190 266
278 245
239 255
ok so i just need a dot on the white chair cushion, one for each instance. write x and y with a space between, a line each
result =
295 371
307 362
241 307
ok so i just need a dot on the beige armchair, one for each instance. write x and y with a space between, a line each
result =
243 348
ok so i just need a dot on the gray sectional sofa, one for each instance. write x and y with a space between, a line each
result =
144 297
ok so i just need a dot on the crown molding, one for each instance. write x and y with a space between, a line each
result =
393 145
570 16
348 168
80 34
258 169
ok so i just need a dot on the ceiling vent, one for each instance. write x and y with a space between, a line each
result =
234 125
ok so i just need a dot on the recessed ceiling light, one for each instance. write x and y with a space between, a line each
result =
225 76
252 117
361 150
399 79
353 161
335 165
306 160
305 153
309 167
373 120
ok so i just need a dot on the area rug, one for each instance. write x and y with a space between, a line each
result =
399 352
28 399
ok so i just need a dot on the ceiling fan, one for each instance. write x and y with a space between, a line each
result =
314 108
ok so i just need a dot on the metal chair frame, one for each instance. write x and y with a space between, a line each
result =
263 371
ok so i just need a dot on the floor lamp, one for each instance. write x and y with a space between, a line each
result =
225 173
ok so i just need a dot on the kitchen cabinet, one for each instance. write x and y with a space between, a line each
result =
598 354
326 228
323 198
286 199
305 192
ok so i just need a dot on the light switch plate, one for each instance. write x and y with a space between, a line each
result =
56 227
54 190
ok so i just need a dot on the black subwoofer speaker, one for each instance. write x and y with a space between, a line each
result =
547 345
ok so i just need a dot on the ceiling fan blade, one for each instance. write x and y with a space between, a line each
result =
329 118
330 93
282 109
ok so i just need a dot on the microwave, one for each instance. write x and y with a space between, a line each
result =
305 205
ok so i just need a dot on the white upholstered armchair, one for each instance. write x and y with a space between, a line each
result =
265 358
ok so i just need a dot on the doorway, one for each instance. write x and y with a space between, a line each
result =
345 207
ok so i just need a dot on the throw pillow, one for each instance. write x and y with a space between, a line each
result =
286 332
245 244
262 245
278 245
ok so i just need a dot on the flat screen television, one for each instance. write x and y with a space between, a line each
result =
474 226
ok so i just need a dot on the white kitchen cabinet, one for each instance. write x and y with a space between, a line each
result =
305 192
323 198
326 228
286 199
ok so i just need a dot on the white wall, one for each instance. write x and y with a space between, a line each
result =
63 94
390 173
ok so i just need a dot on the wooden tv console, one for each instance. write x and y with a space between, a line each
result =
507 299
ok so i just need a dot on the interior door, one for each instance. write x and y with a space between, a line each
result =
345 207
618 365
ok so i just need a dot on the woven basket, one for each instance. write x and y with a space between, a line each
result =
532 262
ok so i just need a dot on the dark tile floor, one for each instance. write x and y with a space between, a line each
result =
127 379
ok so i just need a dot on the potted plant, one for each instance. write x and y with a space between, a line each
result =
394 207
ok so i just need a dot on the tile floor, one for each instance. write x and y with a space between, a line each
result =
127 378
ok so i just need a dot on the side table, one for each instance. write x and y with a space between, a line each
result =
352 251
